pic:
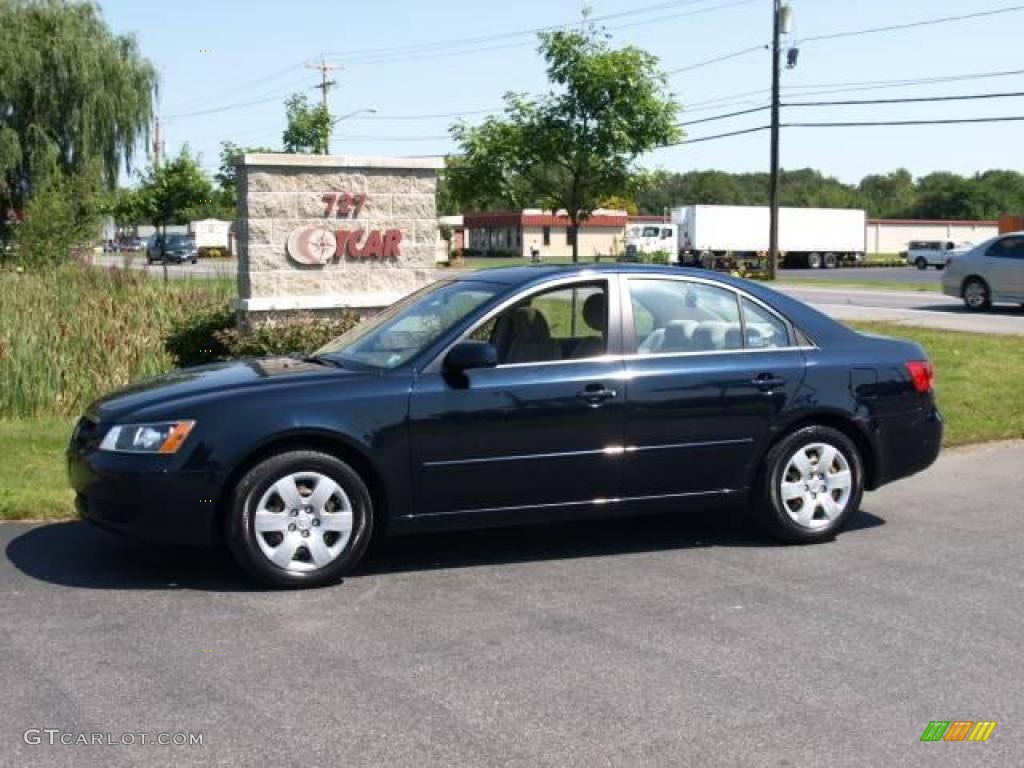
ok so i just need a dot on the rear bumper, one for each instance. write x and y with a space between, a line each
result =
136 496
906 444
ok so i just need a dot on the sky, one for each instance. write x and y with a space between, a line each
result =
226 68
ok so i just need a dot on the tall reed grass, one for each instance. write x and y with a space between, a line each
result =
69 334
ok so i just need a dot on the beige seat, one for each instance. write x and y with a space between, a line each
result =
529 338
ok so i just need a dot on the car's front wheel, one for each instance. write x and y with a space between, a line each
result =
976 295
811 484
300 519
921 263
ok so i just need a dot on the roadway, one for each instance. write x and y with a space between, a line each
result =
660 641
926 309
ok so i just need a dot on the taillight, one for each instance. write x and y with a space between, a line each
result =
922 374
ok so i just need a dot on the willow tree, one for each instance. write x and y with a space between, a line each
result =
577 144
75 99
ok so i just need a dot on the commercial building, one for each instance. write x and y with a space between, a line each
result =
518 233
894 235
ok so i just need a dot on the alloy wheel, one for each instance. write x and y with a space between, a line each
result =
816 485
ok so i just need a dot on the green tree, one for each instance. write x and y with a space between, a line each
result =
889 195
577 144
309 127
227 174
75 99
176 192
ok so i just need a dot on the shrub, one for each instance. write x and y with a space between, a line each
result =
300 334
211 336
193 339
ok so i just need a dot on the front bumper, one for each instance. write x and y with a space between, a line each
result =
144 497
951 290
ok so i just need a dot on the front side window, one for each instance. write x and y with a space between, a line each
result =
563 323
678 316
400 332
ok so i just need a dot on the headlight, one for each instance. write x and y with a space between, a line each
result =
158 437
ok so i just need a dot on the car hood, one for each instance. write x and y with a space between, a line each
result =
211 380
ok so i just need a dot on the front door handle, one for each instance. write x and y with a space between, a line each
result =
595 394
767 381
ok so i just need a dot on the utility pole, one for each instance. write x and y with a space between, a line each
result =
773 184
325 68
158 147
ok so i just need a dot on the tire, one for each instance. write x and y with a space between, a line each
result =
976 294
814 260
805 517
317 527
921 263
831 261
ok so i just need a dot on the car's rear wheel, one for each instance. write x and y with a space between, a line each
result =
300 519
921 263
811 484
976 294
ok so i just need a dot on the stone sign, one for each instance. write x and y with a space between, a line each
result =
322 232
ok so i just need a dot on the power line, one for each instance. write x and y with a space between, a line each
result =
912 25
235 89
433 55
938 121
277 95
372 55
723 117
716 59
906 100
714 136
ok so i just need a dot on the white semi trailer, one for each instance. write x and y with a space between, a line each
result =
726 236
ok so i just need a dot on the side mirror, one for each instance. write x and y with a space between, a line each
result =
467 355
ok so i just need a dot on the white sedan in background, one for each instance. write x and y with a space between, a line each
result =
991 272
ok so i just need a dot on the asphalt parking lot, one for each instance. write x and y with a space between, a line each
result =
652 641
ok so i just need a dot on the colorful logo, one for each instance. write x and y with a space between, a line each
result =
958 730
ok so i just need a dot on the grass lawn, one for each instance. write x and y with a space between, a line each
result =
979 382
33 475
882 285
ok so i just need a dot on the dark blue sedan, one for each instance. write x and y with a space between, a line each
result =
514 396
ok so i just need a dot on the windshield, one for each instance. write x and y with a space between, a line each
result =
652 231
400 332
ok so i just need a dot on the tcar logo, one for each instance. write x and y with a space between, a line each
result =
315 246
312 246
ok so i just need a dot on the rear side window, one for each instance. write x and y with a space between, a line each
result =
764 330
671 316
1007 248
677 316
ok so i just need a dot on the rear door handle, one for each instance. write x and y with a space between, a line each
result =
767 381
595 394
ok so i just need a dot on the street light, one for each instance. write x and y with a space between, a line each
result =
367 110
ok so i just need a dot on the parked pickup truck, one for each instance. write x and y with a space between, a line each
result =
933 253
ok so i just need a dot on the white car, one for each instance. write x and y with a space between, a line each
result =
934 253
990 272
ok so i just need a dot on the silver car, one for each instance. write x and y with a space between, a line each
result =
990 272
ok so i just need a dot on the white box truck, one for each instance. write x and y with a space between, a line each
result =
727 236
